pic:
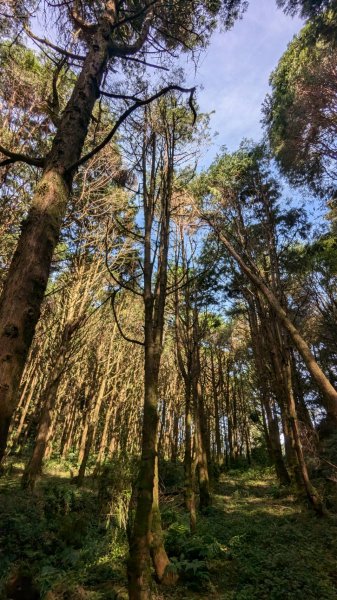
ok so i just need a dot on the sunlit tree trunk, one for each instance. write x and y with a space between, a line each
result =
200 421
24 289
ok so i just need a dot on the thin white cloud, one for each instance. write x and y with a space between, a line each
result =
235 71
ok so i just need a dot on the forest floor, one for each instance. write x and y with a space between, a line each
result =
254 543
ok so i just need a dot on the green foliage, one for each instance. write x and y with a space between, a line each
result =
115 485
193 573
61 536
255 543
300 114
171 475
274 549
190 554
307 8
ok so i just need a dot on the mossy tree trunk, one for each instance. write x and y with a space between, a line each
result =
147 540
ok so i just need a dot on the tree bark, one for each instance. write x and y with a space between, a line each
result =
24 289
216 410
154 297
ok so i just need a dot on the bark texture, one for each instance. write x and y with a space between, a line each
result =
28 274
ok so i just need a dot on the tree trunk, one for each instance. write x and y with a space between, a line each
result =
24 289
158 554
85 457
34 466
189 493
216 411
201 442
329 394
139 565
276 449
312 494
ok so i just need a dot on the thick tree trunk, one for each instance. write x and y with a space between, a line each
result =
24 289
159 557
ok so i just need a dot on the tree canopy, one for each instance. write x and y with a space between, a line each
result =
300 112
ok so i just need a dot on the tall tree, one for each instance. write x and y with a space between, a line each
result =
107 32
223 188
158 144
300 113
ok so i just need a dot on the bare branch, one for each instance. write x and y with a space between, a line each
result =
87 28
126 338
119 96
14 157
53 46
136 15
128 112
53 102
127 49
143 62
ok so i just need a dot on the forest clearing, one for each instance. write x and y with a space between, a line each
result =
168 299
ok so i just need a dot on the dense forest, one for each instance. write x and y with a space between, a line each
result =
168 338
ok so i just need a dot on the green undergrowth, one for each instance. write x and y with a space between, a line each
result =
256 542
71 542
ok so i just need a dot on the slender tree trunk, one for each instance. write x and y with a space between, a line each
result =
154 297
91 424
201 441
329 394
24 412
52 427
276 449
216 410
67 433
34 466
85 457
108 423
189 492
312 494
175 440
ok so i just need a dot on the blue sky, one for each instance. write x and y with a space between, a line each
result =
235 70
